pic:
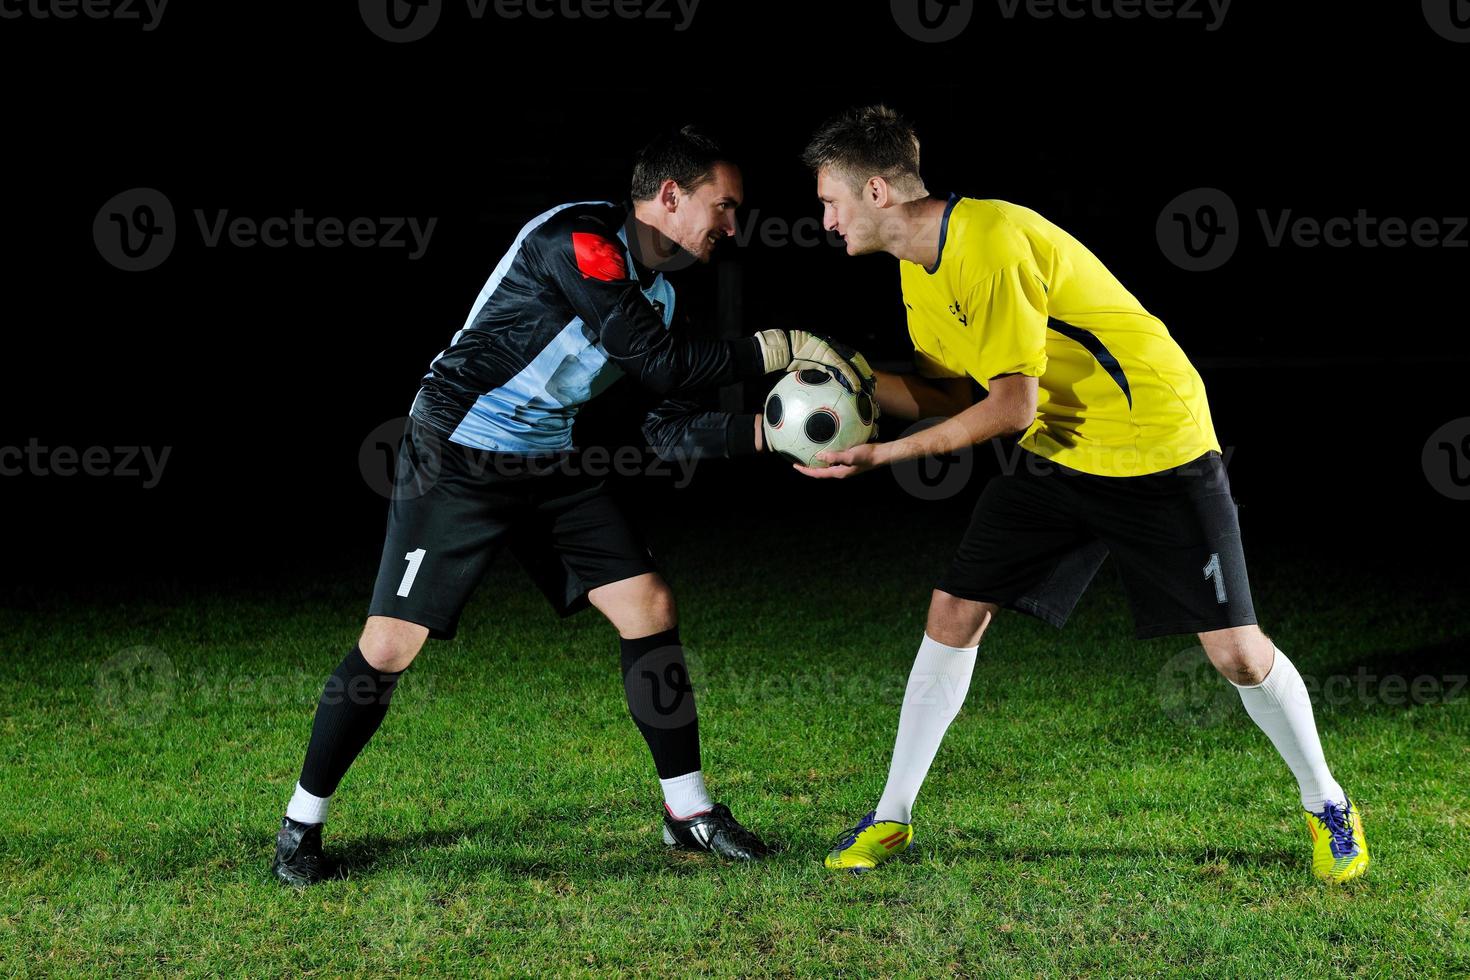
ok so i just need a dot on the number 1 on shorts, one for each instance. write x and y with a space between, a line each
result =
1212 571
414 559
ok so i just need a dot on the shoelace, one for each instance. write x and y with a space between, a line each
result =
849 836
1335 819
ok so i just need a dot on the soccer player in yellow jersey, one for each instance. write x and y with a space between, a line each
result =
1118 456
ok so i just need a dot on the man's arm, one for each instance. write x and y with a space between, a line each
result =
1009 408
913 397
681 428
585 260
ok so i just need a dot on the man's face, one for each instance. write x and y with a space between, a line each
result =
707 215
848 211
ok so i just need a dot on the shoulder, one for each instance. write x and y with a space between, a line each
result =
584 235
989 236
557 226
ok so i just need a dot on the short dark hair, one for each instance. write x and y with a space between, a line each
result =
871 141
686 156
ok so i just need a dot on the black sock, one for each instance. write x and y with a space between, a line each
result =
661 701
351 708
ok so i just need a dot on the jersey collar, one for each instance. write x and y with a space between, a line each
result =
645 275
943 233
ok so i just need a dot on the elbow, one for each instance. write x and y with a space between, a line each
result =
1020 416
668 443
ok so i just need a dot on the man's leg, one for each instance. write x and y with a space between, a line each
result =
444 528
1276 699
656 682
661 701
351 707
937 685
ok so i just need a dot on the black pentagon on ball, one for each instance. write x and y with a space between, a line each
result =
865 408
813 376
773 410
821 426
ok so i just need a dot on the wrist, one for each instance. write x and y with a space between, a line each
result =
885 453
741 438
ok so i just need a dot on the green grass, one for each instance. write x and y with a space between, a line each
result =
505 818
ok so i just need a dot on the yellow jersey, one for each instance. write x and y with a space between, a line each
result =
1011 293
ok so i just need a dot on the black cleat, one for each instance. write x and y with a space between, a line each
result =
299 860
714 831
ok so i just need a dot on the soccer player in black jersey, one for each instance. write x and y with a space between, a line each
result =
576 303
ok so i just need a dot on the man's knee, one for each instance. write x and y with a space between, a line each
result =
958 622
637 606
391 644
1242 654
659 604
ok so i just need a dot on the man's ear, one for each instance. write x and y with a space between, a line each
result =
878 191
668 195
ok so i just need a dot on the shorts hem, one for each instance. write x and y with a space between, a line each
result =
1154 631
439 628
1022 605
618 574
579 602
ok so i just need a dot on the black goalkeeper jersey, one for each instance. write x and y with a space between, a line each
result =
565 313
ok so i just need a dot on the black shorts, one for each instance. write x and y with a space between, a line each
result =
453 508
1039 534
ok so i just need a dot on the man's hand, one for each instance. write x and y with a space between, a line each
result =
1010 408
848 462
808 350
795 350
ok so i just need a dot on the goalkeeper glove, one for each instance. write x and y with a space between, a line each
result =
794 350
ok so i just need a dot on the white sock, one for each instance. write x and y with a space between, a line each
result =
1282 708
685 795
305 808
936 689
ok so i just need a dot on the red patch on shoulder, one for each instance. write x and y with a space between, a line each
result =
598 258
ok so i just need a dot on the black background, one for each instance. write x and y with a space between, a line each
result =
264 369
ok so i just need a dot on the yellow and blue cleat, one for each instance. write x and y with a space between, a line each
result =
1339 849
869 844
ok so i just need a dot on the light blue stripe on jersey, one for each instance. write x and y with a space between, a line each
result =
497 275
533 411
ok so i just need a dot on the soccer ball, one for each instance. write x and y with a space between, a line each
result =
809 412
